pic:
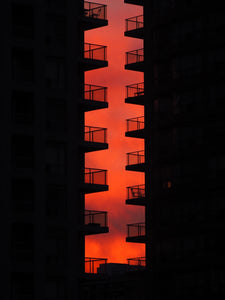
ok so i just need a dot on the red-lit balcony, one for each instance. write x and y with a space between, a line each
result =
135 2
136 161
135 27
95 180
135 94
95 97
136 263
95 265
95 222
136 195
95 15
95 57
135 60
136 233
135 127
95 139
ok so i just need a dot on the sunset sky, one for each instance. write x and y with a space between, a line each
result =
113 245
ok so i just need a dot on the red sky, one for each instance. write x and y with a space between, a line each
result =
113 245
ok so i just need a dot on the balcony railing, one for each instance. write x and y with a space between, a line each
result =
93 51
95 176
135 90
95 10
96 218
136 191
95 134
136 230
137 157
135 56
134 124
134 23
95 93
92 265
137 263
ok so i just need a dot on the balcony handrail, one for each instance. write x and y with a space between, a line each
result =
135 123
136 191
138 262
91 131
93 214
92 49
139 228
138 259
91 92
91 172
135 56
135 90
95 10
92 264
136 157
135 22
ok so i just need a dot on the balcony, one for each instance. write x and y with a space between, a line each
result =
136 195
95 97
95 139
135 27
135 127
135 94
136 233
95 222
95 15
135 2
135 60
95 265
136 264
136 161
95 57
95 180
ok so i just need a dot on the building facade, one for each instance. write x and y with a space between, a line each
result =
43 144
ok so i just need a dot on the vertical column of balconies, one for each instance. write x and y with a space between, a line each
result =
94 138
135 126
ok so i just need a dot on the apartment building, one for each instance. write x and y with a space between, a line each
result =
184 126
43 144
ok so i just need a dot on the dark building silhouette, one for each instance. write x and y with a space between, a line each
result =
43 144
184 151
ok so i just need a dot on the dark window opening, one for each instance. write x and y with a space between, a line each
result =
22 20
55 30
22 151
55 73
55 114
55 158
56 201
22 195
22 286
22 107
22 65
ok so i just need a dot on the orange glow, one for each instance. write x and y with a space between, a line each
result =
113 244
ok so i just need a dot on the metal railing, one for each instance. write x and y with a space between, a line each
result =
95 93
136 264
134 23
135 90
95 176
97 218
93 51
134 124
95 10
95 265
136 157
136 191
136 230
95 134
135 56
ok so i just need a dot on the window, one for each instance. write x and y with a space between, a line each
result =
22 65
56 114
55 73
56 202
55 289
22 20
22 286
22 151
22 107
216 96
55 158
22 242
55 30
187 102
186 66
22 195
